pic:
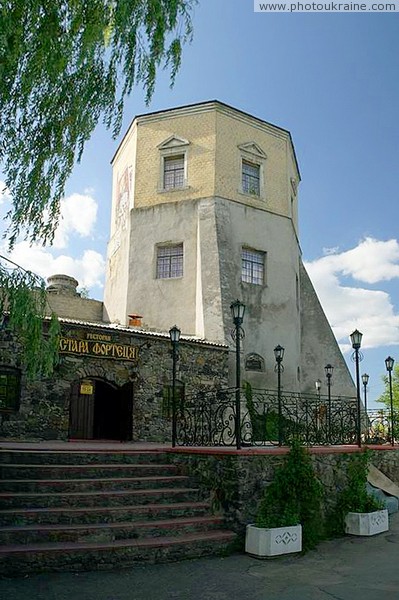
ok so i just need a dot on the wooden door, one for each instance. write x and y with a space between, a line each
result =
81 413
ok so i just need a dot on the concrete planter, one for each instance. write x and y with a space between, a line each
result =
367 523
261 542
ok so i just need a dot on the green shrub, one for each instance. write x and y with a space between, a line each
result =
354 497
293 497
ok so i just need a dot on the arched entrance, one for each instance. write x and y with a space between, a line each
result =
100 410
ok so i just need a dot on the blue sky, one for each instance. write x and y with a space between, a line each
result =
332 81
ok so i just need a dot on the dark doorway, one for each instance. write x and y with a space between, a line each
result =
100 410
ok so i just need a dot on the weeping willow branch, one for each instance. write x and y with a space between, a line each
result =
65 66
23 299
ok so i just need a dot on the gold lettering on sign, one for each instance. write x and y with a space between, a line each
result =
98 337
100 349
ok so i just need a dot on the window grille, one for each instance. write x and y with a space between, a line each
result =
250 178
253 266
169 261
173 172
10 389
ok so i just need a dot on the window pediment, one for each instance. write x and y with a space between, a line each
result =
174 141
253 149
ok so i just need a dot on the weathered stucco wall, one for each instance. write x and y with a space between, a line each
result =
319 346
75 307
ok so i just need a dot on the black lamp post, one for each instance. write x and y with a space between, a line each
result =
174 333
279 355
356 340
365 380
237 312
329 371
389 362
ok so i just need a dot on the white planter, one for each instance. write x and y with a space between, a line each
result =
263 542
367 523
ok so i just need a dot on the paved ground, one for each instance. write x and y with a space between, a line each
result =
344 569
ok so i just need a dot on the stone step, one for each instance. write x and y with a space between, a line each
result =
81 457
63 511
105 532
97 498
89 471
17 560
102 514
46 486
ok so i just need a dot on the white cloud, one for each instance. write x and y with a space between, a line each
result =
370 262
78 214
5 195
88 269
327 251
349 307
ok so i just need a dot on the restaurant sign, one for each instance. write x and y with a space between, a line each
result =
98 348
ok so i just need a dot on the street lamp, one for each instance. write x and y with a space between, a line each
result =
389 362
279 355
237 312
174 333
365 380
329 371
356 340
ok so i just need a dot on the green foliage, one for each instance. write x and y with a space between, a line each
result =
64 67
219 475
385 397
293 497
354 497
23 298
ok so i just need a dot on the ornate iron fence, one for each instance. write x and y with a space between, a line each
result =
266 418
378 427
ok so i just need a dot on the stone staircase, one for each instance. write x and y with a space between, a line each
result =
76 511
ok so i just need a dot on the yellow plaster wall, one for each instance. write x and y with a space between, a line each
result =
234 130
214 132
199 130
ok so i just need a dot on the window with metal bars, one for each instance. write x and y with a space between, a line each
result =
169 261
167 400
250 178
10 389
173 172
253 266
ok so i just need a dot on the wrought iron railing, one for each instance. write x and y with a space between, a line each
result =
380 427
266 418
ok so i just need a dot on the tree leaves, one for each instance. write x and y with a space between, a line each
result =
64 66
23 299
385 397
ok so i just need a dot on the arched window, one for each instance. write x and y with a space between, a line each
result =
254 362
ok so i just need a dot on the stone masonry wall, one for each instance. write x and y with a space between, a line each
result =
237 480
44 408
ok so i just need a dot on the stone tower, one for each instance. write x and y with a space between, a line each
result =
205 211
